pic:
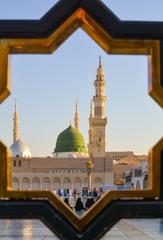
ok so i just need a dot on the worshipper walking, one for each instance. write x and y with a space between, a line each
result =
79 207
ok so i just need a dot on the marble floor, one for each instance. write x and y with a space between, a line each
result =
125 229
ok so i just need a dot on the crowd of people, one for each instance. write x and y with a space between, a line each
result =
81 201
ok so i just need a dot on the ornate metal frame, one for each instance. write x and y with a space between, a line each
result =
114 36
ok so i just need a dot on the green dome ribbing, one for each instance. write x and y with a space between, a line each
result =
70 140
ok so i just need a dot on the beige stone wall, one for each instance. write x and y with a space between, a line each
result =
55 173
51 181
119 155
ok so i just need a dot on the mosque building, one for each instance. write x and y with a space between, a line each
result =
68 167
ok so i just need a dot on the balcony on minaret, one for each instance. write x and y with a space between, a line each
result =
97 122
99 88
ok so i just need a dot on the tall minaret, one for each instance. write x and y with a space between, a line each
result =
76 118
99 99
90 132
15 123
98 121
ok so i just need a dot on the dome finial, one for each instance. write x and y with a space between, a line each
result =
70 123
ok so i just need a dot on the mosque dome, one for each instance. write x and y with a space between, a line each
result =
20 149
70 141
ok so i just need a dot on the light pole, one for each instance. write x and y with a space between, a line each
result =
90 166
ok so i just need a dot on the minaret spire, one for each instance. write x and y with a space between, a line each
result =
15 105
15 123
100 61
76 118
91 109
99 99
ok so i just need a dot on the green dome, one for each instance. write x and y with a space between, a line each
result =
70 140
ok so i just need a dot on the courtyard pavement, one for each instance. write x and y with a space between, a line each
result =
125 229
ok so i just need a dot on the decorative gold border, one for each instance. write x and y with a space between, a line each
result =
80 18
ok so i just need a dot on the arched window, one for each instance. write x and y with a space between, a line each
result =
14 163
56 184
85 182
15 183
67 183
36 183
46 184
25 183
77 183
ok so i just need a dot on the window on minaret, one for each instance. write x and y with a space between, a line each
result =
19 163
14 164
98 111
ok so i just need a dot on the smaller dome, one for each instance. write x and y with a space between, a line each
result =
20 149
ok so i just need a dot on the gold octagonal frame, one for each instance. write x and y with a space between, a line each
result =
80 18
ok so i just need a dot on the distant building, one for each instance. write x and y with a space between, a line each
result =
137 175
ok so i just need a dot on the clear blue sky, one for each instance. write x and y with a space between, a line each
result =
46 86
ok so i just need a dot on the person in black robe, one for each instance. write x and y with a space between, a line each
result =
79 207
66 200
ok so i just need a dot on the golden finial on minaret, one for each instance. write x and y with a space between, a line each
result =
100 71
15 123
76 118
100 61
